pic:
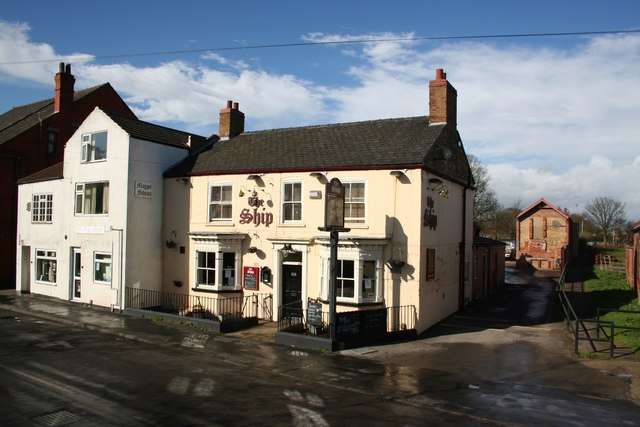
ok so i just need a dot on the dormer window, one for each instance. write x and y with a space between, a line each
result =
94 147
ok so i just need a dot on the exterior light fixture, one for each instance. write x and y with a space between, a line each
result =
182 180
396 173
287 250
253 177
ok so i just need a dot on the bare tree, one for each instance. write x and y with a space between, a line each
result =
607 214
485 202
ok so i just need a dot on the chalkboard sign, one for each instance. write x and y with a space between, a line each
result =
373 322
251 278
365 323
348 323
314 313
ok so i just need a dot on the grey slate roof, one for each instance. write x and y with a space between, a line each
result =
48 174
376 144
155 133
22 118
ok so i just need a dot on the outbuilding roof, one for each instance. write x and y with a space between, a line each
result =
377 144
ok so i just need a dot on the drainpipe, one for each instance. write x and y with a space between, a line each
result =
120 293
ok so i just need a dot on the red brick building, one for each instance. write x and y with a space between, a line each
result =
633 259
32 138
545 236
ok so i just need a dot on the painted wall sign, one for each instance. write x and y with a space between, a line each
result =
430 219
257 215
143 189
250 278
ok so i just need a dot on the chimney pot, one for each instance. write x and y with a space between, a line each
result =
231 121
65 81
442 100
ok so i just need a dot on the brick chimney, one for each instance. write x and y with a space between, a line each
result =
231 121
64 88
442 100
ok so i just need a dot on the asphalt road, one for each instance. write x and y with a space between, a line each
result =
502 361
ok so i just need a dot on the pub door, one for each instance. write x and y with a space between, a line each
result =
291 290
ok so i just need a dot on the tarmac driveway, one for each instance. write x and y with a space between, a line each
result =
512 339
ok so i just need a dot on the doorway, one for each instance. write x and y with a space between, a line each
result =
291 290
76 273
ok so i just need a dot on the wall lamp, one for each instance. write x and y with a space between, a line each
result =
396 173
287 250
438 185
253 177
182 180
319 176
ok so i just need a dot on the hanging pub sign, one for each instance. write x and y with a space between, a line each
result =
334 204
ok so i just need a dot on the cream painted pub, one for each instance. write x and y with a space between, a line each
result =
255 200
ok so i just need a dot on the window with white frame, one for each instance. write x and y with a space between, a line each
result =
102 267
359 276
94 147
354 202
292 202
220 206
46 266
42 208
92 198
216 270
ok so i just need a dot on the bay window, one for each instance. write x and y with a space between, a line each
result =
358 274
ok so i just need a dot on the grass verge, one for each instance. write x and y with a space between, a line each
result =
610 290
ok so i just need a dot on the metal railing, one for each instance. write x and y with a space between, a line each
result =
216 309
293 319
584 329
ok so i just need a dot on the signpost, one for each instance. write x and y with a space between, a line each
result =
333 223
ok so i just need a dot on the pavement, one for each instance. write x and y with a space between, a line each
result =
515 336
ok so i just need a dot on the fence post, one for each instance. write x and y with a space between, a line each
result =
576 335
612 338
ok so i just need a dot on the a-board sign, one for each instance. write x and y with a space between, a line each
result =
314 313
250 278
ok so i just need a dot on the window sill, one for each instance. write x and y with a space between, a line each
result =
292 225
216 291
46 283
356 225
362 304
221 223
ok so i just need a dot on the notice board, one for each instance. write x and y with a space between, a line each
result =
250 278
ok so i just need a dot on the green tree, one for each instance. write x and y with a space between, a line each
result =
485 202
607 214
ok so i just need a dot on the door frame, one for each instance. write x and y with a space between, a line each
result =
75 250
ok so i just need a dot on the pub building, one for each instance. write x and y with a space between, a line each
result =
243 218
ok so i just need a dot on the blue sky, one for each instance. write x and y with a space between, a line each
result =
552 117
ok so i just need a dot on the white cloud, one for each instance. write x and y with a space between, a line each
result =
552 122
20 55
